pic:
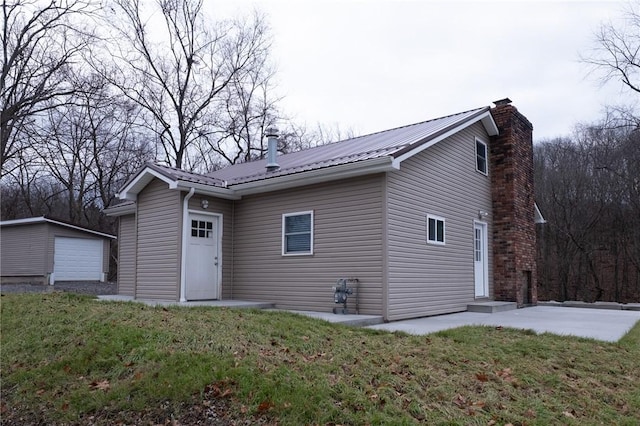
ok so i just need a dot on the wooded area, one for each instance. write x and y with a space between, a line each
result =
588 188
85 103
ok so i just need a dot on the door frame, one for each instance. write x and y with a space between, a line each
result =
485 259
186 228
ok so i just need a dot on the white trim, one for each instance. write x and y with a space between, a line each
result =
444 230
486 156
486 119
204 189
325 174
220 228
42 219
284 216
183 255
538 218
485 257
120 210
130 192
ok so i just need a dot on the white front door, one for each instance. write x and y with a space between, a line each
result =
202 258
480 261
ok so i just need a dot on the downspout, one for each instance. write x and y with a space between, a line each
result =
185 233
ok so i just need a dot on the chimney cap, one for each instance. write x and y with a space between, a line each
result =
505 101
271 131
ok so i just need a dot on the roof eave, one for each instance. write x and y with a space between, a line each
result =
204 189
538 218
43 219
326 174
142 179
116 211
484 116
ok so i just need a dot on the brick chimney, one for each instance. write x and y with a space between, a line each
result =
514 234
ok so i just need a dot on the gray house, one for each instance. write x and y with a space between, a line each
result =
43 250
427 217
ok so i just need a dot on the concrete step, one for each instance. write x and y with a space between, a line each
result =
491 307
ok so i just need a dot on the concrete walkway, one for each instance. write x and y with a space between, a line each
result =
600 324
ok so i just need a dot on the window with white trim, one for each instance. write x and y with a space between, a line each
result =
435 229
481 157
297 233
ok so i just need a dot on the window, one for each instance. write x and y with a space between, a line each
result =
297 233
435 229
201 229
478 245
481 157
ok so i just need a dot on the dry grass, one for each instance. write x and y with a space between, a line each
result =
68 358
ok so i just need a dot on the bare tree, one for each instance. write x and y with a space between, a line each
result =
90 146
588 187
39 42
617 47
182 68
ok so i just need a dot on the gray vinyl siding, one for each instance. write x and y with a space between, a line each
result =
159 224
426 279
23 250
59 231
127 256
28 250
225 208
347 243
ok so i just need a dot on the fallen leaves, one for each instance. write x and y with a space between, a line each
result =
265 406
506 375
103 385
221 389
482 377
471 407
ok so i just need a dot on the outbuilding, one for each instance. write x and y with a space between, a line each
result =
43 250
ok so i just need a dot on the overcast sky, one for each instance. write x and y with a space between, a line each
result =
375 65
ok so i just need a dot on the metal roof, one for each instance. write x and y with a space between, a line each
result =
393 143
59 222
371 153
185 176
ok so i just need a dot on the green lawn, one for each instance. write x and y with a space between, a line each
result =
70 359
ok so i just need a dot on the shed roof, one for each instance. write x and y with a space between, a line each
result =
45 219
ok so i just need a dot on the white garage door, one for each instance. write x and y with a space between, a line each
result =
77 259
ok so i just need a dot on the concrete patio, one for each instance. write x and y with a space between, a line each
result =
601 324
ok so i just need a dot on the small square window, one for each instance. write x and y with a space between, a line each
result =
435 230
201 229
481 157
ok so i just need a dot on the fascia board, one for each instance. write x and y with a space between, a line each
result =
66 225
486 119
120 210
203 189
39 219
130 192
538 218
42 219
374 165
489 124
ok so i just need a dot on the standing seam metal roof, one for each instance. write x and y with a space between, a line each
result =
393 142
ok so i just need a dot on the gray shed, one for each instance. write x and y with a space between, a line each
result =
44 250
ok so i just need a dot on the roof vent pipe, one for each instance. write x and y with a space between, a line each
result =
272 149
